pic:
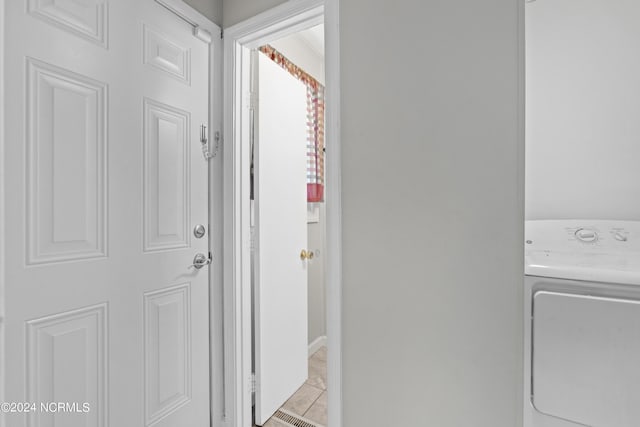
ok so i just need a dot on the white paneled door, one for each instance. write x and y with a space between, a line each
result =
106 320
281 344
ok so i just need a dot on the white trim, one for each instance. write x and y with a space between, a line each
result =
185 12
520 160
215 236
333 182
2 216
317 344
287 18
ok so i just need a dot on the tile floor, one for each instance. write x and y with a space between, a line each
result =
310 401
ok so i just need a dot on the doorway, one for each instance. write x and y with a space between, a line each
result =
288 218
277 23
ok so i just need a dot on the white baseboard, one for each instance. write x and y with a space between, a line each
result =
317 344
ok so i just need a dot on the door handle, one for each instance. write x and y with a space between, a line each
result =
200 260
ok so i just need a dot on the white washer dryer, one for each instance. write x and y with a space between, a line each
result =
582 323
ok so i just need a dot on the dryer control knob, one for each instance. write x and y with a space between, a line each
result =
587 236
620 237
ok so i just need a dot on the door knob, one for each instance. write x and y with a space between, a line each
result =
200 260
306 255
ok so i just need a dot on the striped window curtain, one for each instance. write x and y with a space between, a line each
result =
315 143
315 124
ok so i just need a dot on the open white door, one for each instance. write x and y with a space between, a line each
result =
280 313
106 182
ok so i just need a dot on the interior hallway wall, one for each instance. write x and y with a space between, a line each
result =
432 213
212 9
317 327
583 109
235 11
433 207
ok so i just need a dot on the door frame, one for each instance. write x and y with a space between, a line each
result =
287 18
2 217
197 20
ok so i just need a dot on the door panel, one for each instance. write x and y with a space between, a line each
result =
71 345
161 52
281 344
166 183
86 18
585 358
104 100
66 193
167 351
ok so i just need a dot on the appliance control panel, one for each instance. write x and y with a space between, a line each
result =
583 235
592 250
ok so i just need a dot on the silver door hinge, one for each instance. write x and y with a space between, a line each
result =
252 383
253 100
252 238
221 33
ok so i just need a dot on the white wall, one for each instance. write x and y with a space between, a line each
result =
433 211
235 11
583 109
212 9
317 292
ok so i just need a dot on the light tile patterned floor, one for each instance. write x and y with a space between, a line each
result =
310 401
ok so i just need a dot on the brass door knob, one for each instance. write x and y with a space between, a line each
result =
306 255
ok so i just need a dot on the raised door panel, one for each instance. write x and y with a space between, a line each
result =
166 177
66 163
166 55
86 18
167 329
67 361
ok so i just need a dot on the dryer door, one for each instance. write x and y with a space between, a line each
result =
586 358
